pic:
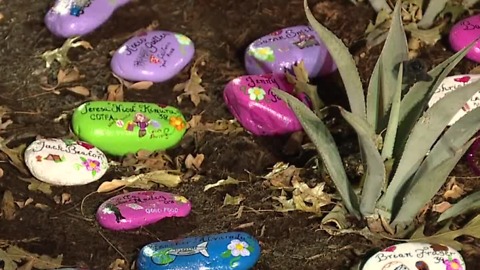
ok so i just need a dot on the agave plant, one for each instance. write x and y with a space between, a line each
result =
407 148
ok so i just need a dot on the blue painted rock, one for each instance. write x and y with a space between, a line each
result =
280 50
465 32
452 83
65 162
154 56
140 208
68 18
119 128
232 250
416 256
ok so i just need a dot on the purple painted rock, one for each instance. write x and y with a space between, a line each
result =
154 56
465 32
68 18
140 208
252 102
280 50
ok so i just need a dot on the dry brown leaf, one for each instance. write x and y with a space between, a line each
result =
39 261
192 88
60 54
115 92
152 161
441 207
36 185
141 85
224 126
195 121
222 182
194 163
454 190
8 205
81 90
15 156
167 178
4 124
42 206
118 264
68 75
21 204
1 172
233 200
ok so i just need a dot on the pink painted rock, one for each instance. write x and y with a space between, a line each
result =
280 50
140 208
252 102
465 32
68 18
154 56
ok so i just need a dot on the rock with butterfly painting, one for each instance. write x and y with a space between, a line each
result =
452 83
231 250
281 49
68 18
410 256
154 56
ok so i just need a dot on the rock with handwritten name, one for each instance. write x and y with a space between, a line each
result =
65 162
454 82
120 128
140 208
281 49
231 250
251 101
68 18
154 56
463 33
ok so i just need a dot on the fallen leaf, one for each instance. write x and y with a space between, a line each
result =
118 264
222 182
194 162
454 190
21 204
60 54
310 199
81 90
1 172
8 205
169 178
441 207
115 92
141 85
152 161
39 261
233 200
27 266
8 262
224 126
68 75
42 206
36 185
15 156
192 88
286 205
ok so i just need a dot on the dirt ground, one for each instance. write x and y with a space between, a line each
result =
221 28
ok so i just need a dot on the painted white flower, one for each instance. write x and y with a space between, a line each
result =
256 93
238 248
263 53
183 40
134 206
107 211
148 251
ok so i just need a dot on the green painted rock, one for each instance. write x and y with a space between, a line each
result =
120 128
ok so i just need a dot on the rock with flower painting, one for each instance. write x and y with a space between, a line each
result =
251 101
232 250
281 49
416 256
68 18
452 83
154 56
120 128
463 33
65 162
140 208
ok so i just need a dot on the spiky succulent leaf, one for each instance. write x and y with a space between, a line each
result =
323 140
464 206
433 9
344 61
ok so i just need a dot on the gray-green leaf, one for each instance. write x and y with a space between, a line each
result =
464 206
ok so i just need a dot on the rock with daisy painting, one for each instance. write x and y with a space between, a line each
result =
120 128
231 250
251 101
140 208
65 162
154 56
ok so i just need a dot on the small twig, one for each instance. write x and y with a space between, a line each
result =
83 201
114 247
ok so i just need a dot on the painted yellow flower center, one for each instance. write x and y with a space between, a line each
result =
92 165
263 51
454 265
238 246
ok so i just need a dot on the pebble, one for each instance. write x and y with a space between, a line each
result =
154 56
68 18
465 32
120 128
281 49
232 250
251 101
140 208
65 162
451 83
416 256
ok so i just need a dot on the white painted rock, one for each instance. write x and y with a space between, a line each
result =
412 256
65 162
451 83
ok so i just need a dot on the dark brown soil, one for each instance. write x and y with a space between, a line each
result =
222 29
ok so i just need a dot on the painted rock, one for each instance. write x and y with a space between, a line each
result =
65 162
252 102
451 83
140 208
232 250
465 32
68 18
416 256
154 56
119 128
280 50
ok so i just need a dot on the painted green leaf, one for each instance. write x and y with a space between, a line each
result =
345 64
78 166
94 172
83 159
234 261
323 140
464 206
226 254
375 170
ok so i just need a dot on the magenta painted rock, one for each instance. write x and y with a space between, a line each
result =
140 208
278 51
68 18
465 32
154 56
252 102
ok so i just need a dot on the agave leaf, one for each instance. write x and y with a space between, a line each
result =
427 186
380 90
433 9
375 171
423 136
465 205
344 61
323 140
